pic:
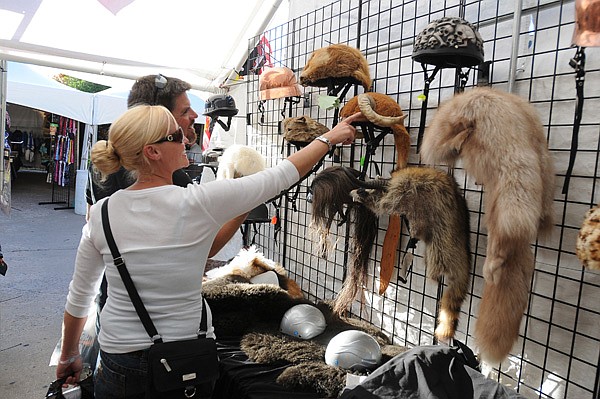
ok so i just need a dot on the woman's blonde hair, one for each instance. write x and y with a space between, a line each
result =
127 136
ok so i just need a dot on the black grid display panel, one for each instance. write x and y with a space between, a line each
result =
558 351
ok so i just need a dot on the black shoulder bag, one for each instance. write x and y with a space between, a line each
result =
178 369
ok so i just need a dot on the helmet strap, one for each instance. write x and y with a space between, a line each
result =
334 90
428 80
227 126
577 63
463 77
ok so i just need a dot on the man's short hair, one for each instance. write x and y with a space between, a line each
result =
145 90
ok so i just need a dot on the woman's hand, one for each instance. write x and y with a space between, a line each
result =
69 366
344 132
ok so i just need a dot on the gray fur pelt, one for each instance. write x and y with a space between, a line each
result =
501 141
239 306
331 190
437 214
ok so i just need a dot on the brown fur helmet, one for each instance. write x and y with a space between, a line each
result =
588 240
337 63
278 82
302 129
381 110
587 23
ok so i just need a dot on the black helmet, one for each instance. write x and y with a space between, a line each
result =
220 105
449 42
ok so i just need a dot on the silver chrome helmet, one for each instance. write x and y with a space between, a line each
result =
303 321
353 350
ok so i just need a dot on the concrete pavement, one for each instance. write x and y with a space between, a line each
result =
39 245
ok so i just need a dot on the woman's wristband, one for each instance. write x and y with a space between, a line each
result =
69 360
325 140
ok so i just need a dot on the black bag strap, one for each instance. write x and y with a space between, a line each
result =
131 290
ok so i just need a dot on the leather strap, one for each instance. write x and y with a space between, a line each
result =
578 63
132 291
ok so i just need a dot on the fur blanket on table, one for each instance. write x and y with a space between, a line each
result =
253 313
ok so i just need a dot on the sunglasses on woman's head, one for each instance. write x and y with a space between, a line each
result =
175 137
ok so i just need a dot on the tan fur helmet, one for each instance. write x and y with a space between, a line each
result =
278 82
302 129
336 64
380 109
587 23
449 42
383 111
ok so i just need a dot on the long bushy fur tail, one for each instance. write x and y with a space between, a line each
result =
364 234
502 306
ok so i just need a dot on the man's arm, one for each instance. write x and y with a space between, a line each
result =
225 234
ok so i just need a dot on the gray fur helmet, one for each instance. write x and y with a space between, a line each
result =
303 321
449 42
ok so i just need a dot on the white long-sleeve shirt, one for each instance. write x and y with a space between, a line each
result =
164 235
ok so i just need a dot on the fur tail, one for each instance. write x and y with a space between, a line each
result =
363 237
448 255
502 306
449 314
402 144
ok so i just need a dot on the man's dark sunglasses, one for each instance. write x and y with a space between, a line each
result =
175 137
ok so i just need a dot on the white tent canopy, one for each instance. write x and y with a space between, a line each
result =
201 42
29 87
32 86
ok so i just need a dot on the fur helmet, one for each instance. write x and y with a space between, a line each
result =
381 110
588 240
587 23
278 82
337 63
302 129
238 161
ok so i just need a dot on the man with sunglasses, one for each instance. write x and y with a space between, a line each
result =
172 94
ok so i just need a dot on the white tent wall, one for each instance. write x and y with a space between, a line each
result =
28 87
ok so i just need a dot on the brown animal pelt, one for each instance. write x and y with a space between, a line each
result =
302 129
501 141
437 214
385 106
330 192
336 64
588 240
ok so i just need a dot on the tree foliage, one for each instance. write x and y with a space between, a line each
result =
80 84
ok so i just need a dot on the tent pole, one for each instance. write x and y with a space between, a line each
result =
89 67
3 77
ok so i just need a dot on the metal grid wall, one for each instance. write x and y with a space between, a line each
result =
557 354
